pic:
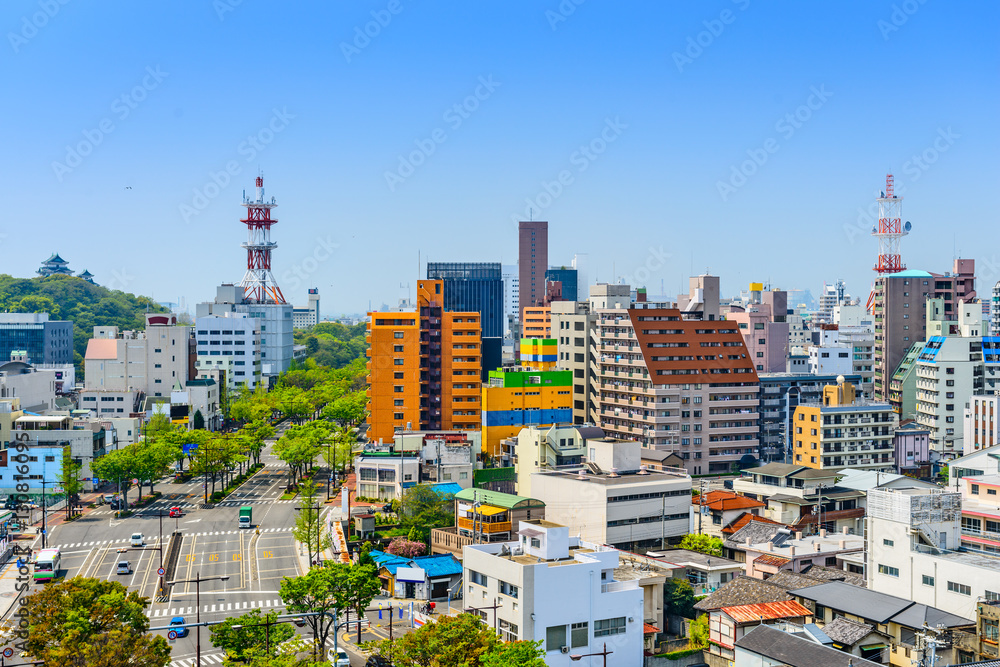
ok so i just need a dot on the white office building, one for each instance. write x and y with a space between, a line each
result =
981 427
558 590
303 318
914 549
229 342
614 499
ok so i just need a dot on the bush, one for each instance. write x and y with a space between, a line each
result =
682 653
217 496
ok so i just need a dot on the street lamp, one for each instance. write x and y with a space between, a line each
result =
577 657
197 598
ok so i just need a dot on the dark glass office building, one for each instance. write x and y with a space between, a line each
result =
478 287
568 279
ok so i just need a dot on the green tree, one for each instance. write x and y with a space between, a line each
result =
424 508
678 597
198 421
308 527
451 641
69 480
253 631
119 465
702 543
515 654
85 622
698 632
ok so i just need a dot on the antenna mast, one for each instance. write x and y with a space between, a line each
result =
890 230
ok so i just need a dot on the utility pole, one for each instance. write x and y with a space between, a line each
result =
701 502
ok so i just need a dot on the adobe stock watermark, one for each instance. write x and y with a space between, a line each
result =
30 25
656 261
565 9
901 13
786 126
580 160
454 116
913 169
120 280
299 274
714 28
122 107
249 149
363 36
223 7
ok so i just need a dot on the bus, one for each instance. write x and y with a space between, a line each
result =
47 565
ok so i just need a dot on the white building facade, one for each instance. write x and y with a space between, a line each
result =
230 342
558 590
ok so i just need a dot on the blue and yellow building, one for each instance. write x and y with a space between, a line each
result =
515 398
539 353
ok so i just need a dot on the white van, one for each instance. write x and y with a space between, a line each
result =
137 540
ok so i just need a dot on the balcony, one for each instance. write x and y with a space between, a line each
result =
981 534
485 525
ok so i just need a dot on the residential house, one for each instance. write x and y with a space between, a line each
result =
795 552
717 509
983 642
705 573
433 577
897 620
768 646
727 625
483 516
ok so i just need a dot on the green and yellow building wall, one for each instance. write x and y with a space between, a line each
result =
513 399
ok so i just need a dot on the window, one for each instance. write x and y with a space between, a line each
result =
397 348
398 388
508 631
609 626
477 578
888 543
926 580
975 489
397 362
889 570
555 637
579 635
398 375
961 589
397 334
507 589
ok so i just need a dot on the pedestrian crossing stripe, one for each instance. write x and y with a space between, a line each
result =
125 540
210 608
206 659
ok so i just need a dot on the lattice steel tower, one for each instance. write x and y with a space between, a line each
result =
889 231
259 285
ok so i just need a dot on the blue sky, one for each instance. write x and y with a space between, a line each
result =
746 138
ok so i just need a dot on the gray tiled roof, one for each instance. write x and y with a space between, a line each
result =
782 647
822 573
743 590
845 631
757 531
878 607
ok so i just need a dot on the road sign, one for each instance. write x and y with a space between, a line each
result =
161 572
8 652
172 635
96 481
135 481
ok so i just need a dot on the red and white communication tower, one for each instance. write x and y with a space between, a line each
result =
259 285
890 230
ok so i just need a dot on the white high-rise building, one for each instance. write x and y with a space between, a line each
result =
995 311
511 302
229 342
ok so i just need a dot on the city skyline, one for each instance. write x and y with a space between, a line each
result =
738 139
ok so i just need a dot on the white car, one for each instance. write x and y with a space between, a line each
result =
137 540
339 658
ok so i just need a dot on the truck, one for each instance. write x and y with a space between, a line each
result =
47 565
246 516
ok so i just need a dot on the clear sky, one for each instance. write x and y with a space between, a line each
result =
741 137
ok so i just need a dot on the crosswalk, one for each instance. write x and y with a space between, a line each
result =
215 608
206 659
207 533
167 504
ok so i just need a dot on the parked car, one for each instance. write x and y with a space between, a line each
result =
137 540
338 658
109 498
179 620
124 567
175 511
377 661
118 504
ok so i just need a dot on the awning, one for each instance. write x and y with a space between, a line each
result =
486 510
438 580
649 629
530 532
873 647
410 574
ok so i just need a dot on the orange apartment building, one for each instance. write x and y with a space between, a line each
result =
537 322
424 368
